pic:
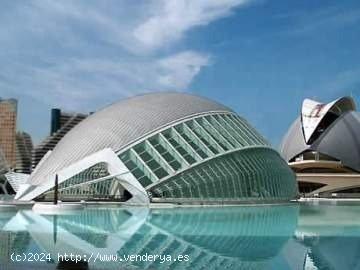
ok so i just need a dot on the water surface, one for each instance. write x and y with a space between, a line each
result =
293 236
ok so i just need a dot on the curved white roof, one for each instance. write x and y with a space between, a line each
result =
312 112
121 124
339 140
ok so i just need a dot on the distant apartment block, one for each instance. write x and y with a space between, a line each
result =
61 123
3 170
24 147
8 113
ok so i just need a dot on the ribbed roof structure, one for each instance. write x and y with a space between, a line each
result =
121 124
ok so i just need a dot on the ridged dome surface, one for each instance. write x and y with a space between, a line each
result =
121 124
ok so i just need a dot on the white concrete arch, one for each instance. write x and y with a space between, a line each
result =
115 168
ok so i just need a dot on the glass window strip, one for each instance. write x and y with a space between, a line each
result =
238 178
263 176
230 170
175 165
245 128
214 179
205 174
88 174
239 159
214 142
93 190
269 178
159 158
197 185
224 177
198 176
254 131
222 180
191 141
204 138
142 166
240 136
172 151
251 178
242 132
188 187
197 140
259 166
179 188
216 134
265 179
230 137
180 140
257 175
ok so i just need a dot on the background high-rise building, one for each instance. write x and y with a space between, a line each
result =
61 123
8 113
3 163
24 147
3 170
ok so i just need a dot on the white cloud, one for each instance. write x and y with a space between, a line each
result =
80 54
75 83
139 28
175 17
178 71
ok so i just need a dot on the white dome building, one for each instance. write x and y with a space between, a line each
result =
323 144
161 147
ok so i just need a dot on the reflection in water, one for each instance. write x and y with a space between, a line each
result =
250 233
214 238
254 237
330 233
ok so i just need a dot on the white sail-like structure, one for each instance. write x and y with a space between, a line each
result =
313 112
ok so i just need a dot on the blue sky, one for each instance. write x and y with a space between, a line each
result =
262 58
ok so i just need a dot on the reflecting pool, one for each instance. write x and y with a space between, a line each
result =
293 236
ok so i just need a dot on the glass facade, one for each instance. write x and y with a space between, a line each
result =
187 144
94 183
212 157
249 175
216 156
